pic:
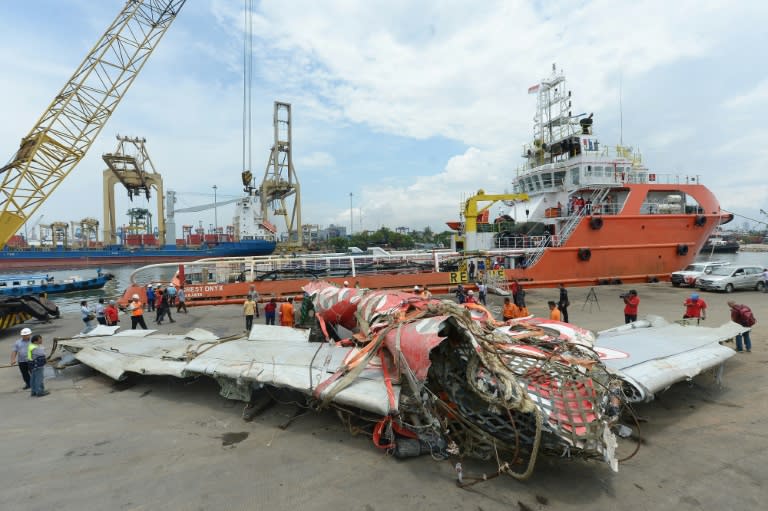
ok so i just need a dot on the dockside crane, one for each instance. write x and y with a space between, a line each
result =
77 114
280 188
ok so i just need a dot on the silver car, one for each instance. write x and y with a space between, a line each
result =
729 278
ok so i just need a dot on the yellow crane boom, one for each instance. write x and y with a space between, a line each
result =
77 114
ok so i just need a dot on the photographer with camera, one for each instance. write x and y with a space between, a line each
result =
631 302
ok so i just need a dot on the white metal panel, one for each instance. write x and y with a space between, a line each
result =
278 333
653 354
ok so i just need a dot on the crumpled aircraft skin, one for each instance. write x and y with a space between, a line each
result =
472 385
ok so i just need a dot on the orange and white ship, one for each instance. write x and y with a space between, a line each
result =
581 213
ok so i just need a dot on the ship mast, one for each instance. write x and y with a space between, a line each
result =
554 125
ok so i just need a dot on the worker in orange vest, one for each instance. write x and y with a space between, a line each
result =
554 312
136 309
286 313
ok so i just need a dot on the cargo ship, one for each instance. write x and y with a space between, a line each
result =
249 236
581 213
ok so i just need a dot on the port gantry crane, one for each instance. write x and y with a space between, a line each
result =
77 114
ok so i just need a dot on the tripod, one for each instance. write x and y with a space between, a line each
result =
591 299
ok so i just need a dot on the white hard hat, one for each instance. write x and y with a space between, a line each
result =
415 288
26 331
135 297
471 292
149 285
346 282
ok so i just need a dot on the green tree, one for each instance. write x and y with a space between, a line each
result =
338 244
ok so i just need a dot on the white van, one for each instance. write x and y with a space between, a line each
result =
688 275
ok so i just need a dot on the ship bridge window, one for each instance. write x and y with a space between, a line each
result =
597 171
547 179
575 175
559 178
529 183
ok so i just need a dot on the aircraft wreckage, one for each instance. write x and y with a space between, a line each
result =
439 378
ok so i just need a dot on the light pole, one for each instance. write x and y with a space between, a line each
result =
215 212
351 225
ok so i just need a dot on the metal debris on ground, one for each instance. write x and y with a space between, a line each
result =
426 376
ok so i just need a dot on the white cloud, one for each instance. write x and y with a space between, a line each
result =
437 69
430 200
316 160
754 97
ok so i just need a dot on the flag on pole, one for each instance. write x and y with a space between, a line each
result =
533 89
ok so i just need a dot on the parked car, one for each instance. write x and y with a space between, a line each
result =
688 275
729 278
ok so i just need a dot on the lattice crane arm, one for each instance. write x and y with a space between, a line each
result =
77 114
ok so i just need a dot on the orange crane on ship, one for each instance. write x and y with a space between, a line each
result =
68 127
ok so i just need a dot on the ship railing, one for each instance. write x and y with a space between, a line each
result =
248 269
520 242
570 225
534 256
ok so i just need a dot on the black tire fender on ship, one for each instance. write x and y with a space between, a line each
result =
700 220
596 222
584 254
682 249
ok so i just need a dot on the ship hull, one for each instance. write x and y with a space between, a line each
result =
626 249
66 258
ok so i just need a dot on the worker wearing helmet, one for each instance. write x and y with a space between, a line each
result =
695 308
19 355
150 298
136 308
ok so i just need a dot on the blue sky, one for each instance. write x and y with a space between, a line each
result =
411 106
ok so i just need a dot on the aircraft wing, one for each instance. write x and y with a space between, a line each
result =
652 354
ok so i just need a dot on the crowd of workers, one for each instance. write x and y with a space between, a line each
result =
29 353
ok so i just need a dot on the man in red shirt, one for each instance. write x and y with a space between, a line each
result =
695 307
631 302
269 311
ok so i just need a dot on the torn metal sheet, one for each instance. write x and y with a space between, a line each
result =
300 366
98 330
652 354
445 379
276 356
116 355
277 333
521 387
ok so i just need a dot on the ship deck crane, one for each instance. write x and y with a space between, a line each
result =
473 209
77 114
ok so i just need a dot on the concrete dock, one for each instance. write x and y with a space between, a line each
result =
161 443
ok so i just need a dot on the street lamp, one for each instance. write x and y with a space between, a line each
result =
351 225
215 212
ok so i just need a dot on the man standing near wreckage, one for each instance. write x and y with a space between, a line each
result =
19 355
742 315
136 309
695 308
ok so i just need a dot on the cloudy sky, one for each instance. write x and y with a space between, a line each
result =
409 105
